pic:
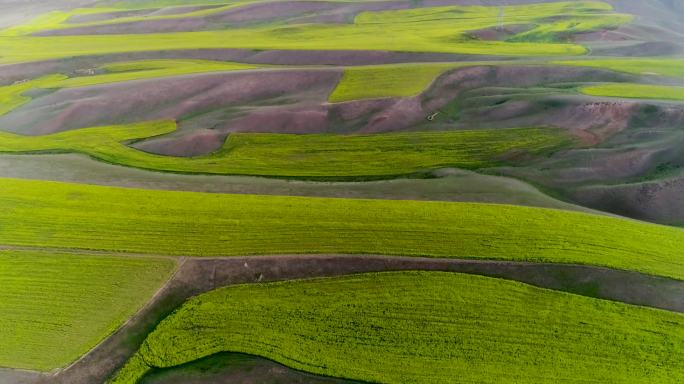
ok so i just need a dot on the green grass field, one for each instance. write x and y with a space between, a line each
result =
423 327
431 29
377 81
635 91
660 67
307 156
197 224
56 307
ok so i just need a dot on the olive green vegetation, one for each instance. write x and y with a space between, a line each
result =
199 224
635 91
423 327
56 307
397 80
12 96
660 67
431 29
306 156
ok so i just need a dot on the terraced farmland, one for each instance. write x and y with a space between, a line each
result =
279 140
372 30
57 306
178 223
442 328
321 156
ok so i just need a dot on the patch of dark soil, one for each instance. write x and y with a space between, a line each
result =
190 144
167 98
234 368
498 34
200 275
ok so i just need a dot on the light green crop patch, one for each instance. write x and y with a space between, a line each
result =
312 156
56 307
445 30
635 91
199 224
659 67
398 80
423 327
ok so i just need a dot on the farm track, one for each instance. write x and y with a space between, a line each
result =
199 275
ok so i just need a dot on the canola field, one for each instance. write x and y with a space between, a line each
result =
199 224
57 306
422 327
323 156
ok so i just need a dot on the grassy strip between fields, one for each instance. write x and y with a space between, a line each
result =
55 307
314 156
423 327
428 29
659 67
48 214
635 91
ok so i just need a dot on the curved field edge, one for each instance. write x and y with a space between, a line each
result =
357 327
55 307
324 156
236 368
191 280
203 224
442 185
635 91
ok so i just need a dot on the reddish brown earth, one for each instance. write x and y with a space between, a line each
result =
193 143
198 275
168 98
659 200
